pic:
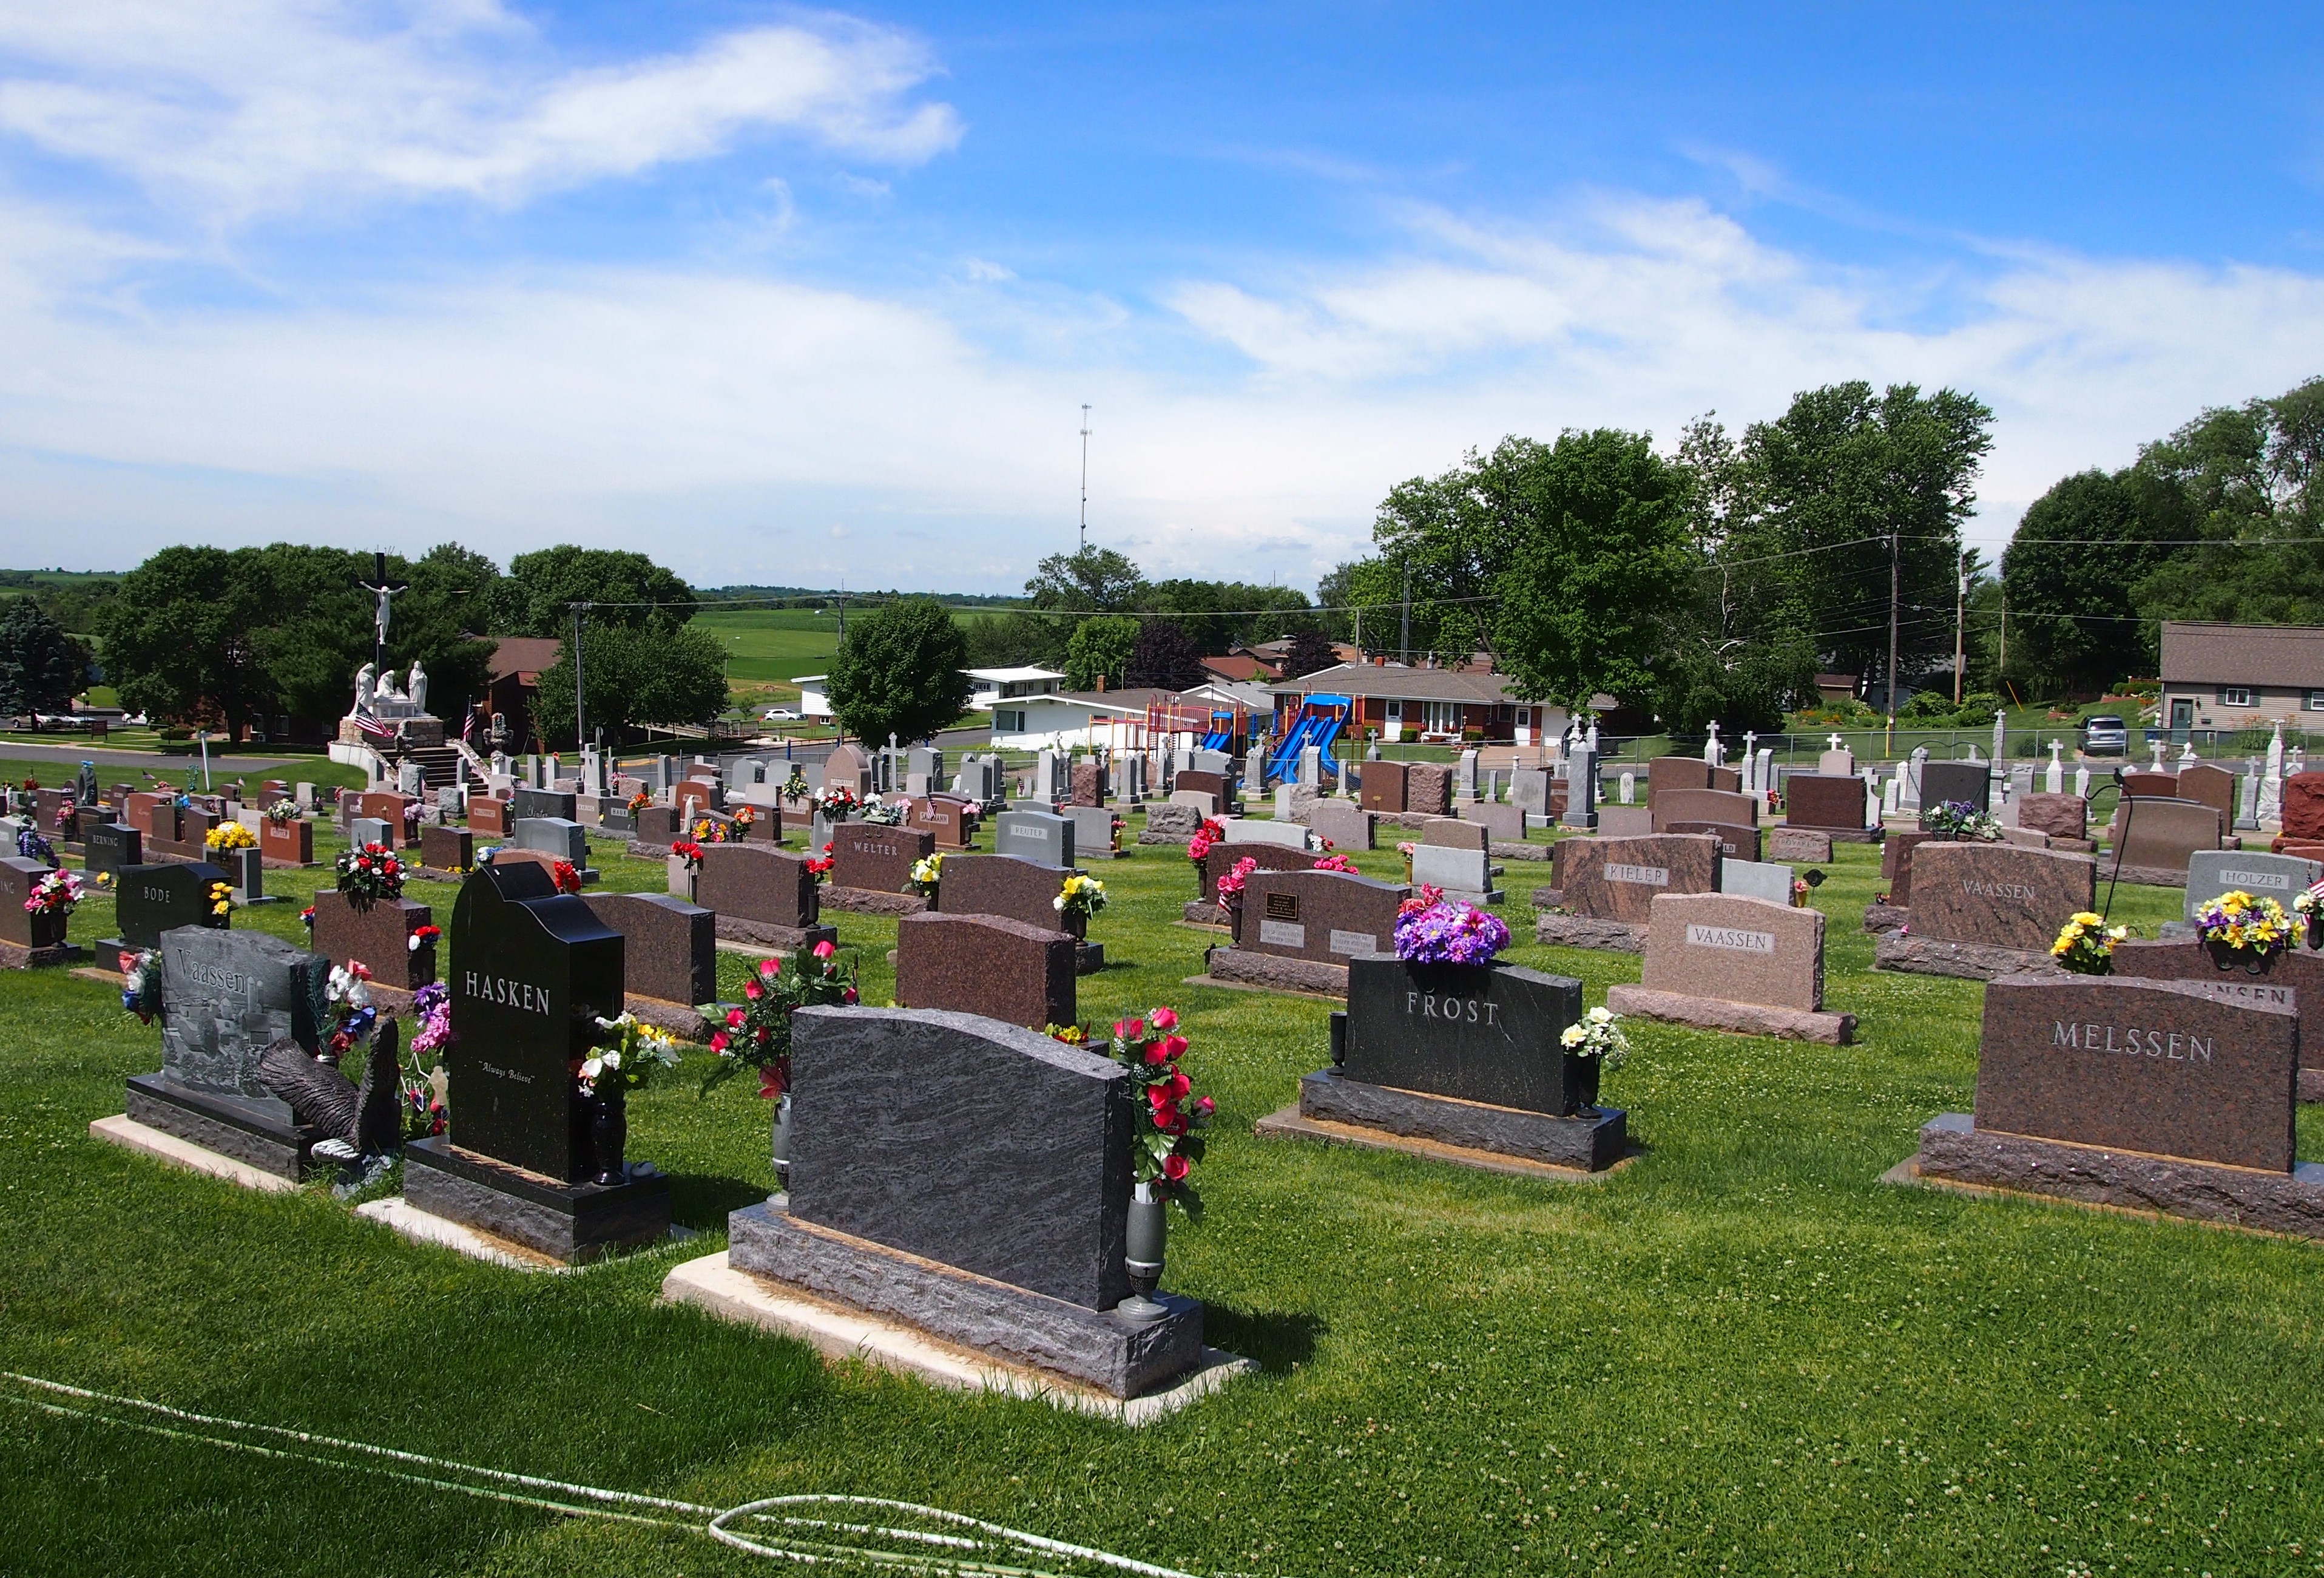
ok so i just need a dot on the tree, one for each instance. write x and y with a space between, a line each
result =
1100 651
2242 480
1090 580
627 589
899 672
41 667
635 676
2070 572
1308 654
1165 658
176 637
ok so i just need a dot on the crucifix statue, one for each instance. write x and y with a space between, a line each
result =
383 590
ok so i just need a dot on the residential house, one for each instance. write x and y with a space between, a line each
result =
2223 678
1402 702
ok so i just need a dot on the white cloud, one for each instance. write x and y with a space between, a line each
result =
240 106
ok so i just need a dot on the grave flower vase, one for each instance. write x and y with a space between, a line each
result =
1581 1076
783 1140
2229 958
609 1134
1234 918
2316 931
1142 1251
682 874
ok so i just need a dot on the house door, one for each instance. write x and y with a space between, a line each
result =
2183 718
1392 722
1524 733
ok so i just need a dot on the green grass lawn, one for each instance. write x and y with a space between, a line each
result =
771 647
1742 1353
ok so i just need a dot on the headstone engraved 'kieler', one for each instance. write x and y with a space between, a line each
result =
533 971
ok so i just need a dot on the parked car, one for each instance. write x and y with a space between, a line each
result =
779 715
2105 735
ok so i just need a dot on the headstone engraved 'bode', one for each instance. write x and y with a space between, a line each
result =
1724 961
1982 910
533 971
1027 1269
1465 1059
1300 928
225 997
2155 1096
1606 887
152 899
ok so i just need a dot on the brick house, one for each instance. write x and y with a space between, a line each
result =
1423 704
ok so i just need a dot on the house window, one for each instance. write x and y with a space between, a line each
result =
2315 702
1440 717
2235 696
1007 721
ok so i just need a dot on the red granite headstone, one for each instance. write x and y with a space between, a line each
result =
379 934
1381 787
985 964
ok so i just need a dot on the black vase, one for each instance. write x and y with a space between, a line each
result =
1581 1084
609 1133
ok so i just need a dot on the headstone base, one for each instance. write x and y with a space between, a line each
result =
766 934
126 1132
1089 957
1202 912
1233 966
688 1024
16 956
1591 1142
1791 843
572 1223
399 1216
1505 850
866 901
842 1335
272 865
1928 955
1101 1348
1879 917
1585 931
1180 839
1846 835
243 1130
1288 1124
1954 1153
2142 876
1742 1019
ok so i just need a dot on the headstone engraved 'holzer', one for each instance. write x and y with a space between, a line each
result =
533 971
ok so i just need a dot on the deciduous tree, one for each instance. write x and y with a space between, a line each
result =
900 672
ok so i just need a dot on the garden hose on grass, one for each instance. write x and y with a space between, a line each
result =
958 1544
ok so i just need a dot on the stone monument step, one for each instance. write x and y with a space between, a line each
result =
130 1135
1929 956
865 901
1584 931
842 1335
1955 1155
243 1130
1288 1123
1248 970
760 937
1105 1349
1591 1142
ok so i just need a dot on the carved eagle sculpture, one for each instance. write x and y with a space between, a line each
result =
355 1120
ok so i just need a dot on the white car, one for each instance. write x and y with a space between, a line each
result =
779 715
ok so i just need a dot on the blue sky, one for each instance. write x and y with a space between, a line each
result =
804 296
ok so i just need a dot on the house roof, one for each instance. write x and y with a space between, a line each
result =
1393 679
1008 676
524 655
1120 701
1236 666
2198 653
1250 697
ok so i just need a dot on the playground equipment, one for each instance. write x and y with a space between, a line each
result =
1317 723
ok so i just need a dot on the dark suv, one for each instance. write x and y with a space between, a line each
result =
2105 736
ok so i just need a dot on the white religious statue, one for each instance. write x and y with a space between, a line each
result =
1836 740
388 688
365 677
2057 777
416 686
1710 751
2189 754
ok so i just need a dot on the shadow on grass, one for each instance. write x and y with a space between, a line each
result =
703 1201
1277 1342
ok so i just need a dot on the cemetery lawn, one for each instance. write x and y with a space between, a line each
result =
1741 1353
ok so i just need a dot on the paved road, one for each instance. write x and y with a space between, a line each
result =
152 761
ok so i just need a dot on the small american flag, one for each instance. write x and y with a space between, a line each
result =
373 729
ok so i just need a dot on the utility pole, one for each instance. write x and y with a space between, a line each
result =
1086 436
1893 557
580 733
1405 643
1960 605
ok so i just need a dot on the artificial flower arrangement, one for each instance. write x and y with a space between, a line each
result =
282 813
348 993
819 866
640 801
55 894
1205 837
758 1033
2256 928
1406 850
880 813
1430 929
740 820
420 937
1961 819
795 786
2085 945
1232 880
563 875
1080 898
835 801
1337 862
686 850
2310 907
425 1111
228 836
33 847
1114 828
370 872
928 874
140 982
709 830
221 899
1598 1034
1167 1129
626 1060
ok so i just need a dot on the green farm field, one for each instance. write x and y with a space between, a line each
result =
1741 1353
771 647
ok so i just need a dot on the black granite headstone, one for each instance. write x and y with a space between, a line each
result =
884 1101
1478 1033
532 972
534 802
155 899
225 996
1952 782
113 846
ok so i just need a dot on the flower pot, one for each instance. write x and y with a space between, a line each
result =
682 876
783 1140
1074 924
2250 960
1234 920
2316 931
1142 1251
609 1134
1580 1082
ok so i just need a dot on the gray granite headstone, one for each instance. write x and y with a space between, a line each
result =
1035 836
1752 879
1092 828
1247 830
558 837
225 996
885 1100
110 846
1463 873
2280 877
537 802
152 901
1946 782
1529 790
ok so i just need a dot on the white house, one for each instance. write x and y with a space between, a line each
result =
1062 720
813 701
989 687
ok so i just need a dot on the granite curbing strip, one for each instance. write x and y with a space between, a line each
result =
765 934
865 901
1926 956
1885 918
1287 1123
1583 931
1742 1019
1243 967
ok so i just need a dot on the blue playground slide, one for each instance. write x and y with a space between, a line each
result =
1317 724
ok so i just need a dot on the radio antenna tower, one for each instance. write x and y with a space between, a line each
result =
1086 433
